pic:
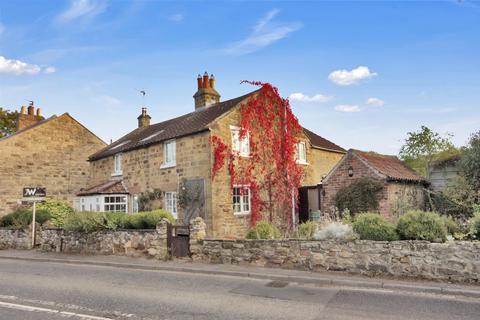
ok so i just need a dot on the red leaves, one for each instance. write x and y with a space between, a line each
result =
274 132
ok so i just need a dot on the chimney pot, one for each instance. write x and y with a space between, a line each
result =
199 81
212 81
206 82
39 112
31 109
23 110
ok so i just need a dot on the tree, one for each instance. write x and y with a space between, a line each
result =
7 122
470 162
424 146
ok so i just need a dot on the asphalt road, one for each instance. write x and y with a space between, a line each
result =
35 290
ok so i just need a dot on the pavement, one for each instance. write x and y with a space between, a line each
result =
37 285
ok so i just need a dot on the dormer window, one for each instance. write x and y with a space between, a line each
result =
301 153
169 154
240 146
117 165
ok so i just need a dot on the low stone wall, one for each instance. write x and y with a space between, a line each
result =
14 238
150 242
454 261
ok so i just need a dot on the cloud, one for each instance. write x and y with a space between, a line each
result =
265 32
82 9
176 17
318 98
347 78
347 108
17 67
375 102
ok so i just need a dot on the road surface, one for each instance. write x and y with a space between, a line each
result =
41 290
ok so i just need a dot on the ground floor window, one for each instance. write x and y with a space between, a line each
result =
115 204
241 199
171 203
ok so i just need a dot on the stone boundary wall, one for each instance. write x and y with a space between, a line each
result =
151 242
452 261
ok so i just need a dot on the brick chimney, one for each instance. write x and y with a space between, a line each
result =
144 119
27 117
206 94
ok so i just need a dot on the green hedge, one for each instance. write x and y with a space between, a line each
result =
264 230
371 226
22 218
96 221
421 225
58 210
307 229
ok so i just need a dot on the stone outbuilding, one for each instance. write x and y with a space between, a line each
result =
50 153
402 186
171 162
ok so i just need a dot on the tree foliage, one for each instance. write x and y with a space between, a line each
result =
423 146
470 163
7 122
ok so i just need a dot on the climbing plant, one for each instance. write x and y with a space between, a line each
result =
270 171
150 200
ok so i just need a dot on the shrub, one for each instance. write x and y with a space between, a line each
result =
421 225
360 196
371 226
22 218
58 210
307 229
451 225
474 226
264 230
335 230
96 221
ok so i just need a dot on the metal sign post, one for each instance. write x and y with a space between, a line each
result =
34 194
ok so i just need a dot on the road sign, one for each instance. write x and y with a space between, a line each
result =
34 192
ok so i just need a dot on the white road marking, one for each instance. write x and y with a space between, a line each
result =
47 310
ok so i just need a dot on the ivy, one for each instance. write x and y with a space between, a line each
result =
360 196
271 170
146 199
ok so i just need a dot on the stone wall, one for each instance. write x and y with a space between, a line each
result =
52 154
452 261
152 242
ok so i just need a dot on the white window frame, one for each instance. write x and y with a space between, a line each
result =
300 157
240 147
244 210
171 203
107 204
117 165
168 161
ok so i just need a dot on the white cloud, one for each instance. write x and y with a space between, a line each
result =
18 67
375 102
176 17
82 9
347 108
265 33
318 98
346 78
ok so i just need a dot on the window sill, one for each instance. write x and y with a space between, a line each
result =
302 162
242 214
116 174
167 165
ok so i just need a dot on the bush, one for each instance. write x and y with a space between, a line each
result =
335 230
474 226
421 225
371 226
264 230
58 210
360 196
96 221
451 225
307 229
22 218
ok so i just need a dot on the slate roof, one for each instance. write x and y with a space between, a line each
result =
188 124
390 166
108 187
322 143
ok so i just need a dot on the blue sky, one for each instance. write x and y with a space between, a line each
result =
361 74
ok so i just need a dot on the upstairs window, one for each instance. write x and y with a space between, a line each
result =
301 152
171 203
169 154
240 146
117 164
241 200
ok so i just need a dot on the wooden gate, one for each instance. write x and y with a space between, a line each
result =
178 240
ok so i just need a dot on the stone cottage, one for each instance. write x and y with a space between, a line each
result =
160 161
51 153
402 187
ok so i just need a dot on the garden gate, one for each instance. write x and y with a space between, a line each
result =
178 240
